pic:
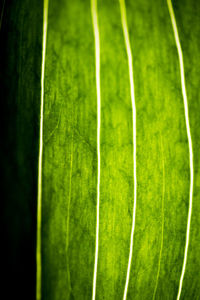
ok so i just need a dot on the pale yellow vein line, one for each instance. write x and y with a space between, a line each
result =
97 58
130 65
184 93
39 196
163 220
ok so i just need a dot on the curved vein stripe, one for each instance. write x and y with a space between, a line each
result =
163 218
39 196
130 65
184 93
97 57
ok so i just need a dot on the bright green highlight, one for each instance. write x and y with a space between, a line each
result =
94 244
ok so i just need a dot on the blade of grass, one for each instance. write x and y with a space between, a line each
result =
39 196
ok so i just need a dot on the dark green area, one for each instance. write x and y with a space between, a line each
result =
20 59
70 158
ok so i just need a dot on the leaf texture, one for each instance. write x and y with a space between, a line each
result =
69 168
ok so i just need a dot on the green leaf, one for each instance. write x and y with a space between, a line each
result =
57 219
